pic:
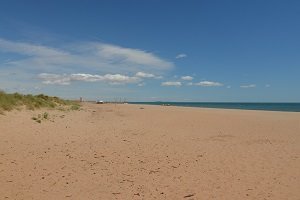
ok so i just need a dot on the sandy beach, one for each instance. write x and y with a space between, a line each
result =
150 152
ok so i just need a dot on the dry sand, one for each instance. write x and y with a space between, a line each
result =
125 152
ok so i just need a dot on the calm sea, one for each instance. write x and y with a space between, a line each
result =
289 107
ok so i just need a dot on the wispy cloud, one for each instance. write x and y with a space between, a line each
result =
182 55
30 49
64 79
187 78
171 83
248 86
267 85
91 56
208 84
130 56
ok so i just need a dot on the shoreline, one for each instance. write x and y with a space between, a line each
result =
212 108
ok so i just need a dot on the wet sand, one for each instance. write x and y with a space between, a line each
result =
150 152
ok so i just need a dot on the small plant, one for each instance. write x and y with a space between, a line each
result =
61 109
75 107
40 117
45 115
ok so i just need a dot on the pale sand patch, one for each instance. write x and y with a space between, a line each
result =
124 152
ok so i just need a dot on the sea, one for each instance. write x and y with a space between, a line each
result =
287 107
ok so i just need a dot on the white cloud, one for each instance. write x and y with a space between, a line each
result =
141 84
190 83
86 77
67 79
147 75
229 86
144 75
171 83
267 85
37 88
54 79
182 55
209 84
159 77
119 79
93 56
248 86
187 78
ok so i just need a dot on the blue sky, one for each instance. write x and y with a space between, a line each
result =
234 50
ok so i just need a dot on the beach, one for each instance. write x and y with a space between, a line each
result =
124 151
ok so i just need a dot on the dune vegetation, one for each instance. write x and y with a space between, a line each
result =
18 101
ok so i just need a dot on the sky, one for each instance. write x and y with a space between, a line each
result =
138 50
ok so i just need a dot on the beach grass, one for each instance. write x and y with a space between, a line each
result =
17 101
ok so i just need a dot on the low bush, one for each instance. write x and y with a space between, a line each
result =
14 101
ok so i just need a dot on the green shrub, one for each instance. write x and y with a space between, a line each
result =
75 107
14 101
45 115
